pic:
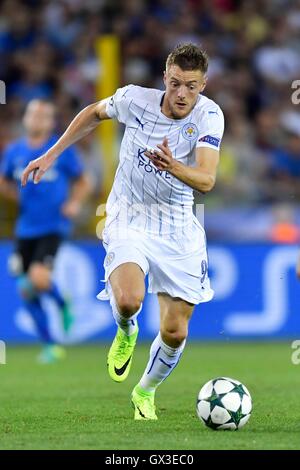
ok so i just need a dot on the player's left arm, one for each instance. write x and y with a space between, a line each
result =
8 189
201 177
80 183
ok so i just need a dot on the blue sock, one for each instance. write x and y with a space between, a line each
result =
55 293
40 318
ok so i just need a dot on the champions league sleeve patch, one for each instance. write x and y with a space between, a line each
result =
210 140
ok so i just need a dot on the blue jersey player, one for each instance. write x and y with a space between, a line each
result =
45 213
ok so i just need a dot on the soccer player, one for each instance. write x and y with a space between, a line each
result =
170 147
44 217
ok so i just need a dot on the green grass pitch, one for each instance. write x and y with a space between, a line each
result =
74 404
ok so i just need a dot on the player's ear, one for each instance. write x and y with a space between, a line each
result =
165 77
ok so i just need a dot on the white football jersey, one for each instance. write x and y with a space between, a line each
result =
143 197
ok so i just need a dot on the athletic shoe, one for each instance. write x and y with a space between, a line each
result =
51 353
143 403
120 355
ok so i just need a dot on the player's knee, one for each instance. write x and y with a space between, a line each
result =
39 276
128 303
173 337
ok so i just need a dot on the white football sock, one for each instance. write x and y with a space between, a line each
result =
163 359
128 325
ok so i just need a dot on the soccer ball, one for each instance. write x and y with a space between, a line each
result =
224 403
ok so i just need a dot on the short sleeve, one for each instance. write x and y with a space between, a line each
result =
213 130
6 163
117 106
72 162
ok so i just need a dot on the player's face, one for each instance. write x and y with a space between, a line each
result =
182 90
39 118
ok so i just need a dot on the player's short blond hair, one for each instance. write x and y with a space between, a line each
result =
188 57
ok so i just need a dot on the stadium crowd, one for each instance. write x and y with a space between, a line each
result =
47 50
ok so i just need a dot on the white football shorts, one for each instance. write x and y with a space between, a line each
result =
178 267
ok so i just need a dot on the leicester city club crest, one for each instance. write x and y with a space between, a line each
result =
190 131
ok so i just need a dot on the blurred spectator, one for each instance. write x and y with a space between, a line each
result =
284 229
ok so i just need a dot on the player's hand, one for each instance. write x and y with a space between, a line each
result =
71 209
37 167
163 159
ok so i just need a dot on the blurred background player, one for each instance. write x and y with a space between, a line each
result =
45 213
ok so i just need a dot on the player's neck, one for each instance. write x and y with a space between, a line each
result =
36 141
165 108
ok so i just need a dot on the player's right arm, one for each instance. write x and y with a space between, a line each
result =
84 123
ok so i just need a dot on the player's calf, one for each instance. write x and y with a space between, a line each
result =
40 277
120 355
127 290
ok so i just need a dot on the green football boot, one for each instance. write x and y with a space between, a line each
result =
67 316
51 353
143 403
119 358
